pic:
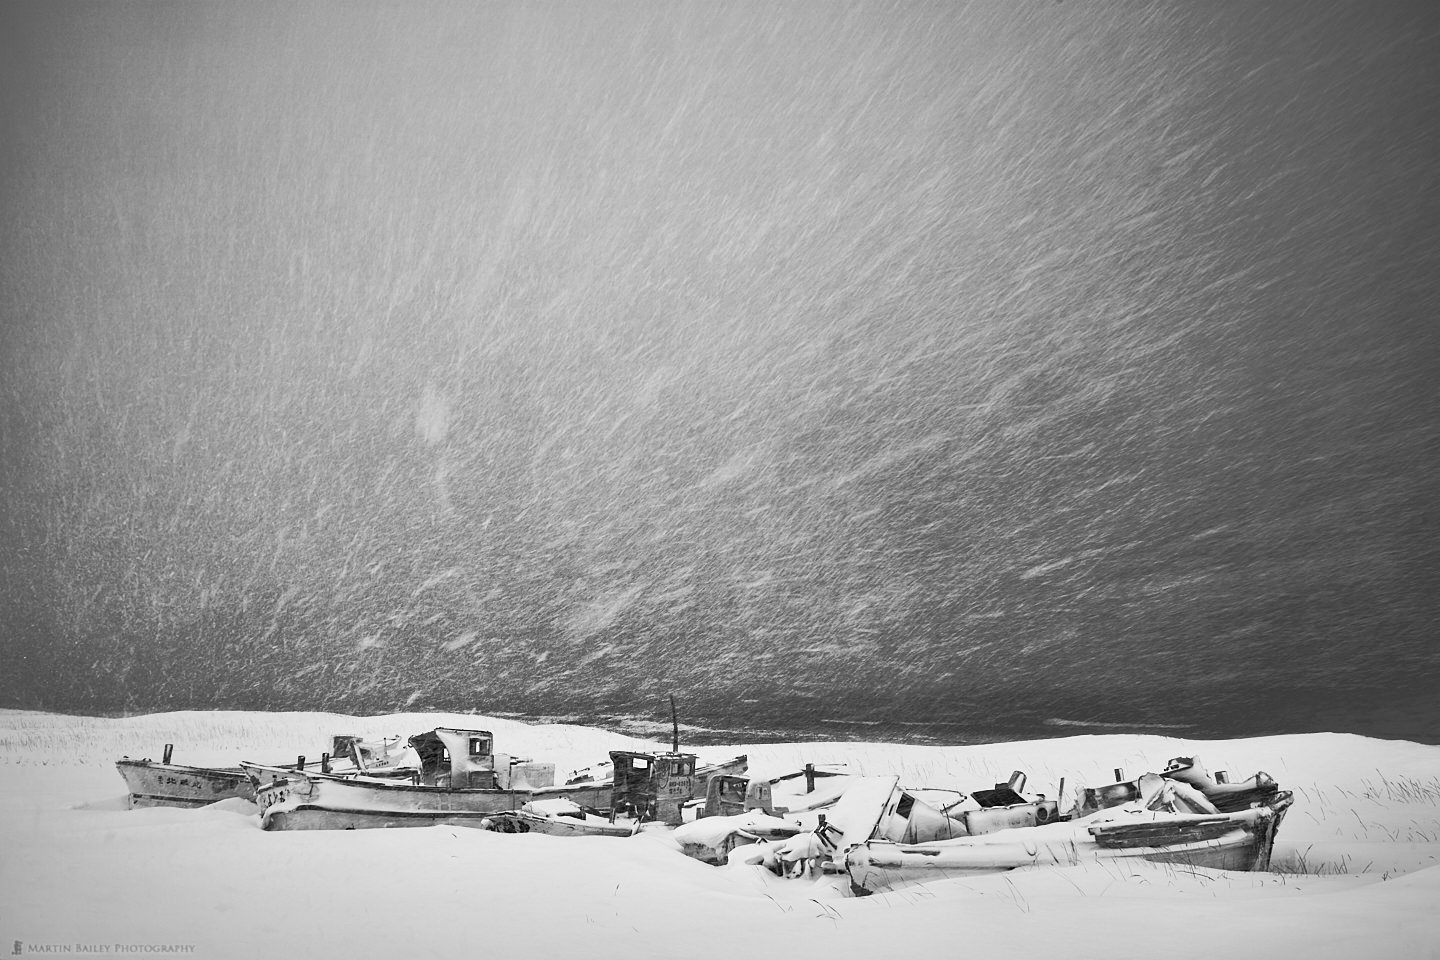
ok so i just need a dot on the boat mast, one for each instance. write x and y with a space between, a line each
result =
674 727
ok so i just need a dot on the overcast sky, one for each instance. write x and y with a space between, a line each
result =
387 353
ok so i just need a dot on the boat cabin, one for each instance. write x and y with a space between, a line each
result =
1117 794
456 759
908 819
654 786
727 795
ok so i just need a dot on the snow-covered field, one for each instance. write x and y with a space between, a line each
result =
1357 862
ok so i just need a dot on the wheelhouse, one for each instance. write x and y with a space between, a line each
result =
654 786
456 759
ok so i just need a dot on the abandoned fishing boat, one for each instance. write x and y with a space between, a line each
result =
1168 822
713 839
166 784
645 790
462 781
784 822
728 797
652 790
659 787
459 779
179 785
867 808
1218 789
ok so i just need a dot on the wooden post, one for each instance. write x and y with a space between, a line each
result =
1119 775
809 778
169 749
324 763
300 762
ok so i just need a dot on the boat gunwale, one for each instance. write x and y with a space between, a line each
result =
180 768
400 786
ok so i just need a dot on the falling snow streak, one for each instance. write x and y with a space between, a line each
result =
1075 360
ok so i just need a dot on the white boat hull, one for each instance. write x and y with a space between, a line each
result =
310 802
305 800
1239 841
154 784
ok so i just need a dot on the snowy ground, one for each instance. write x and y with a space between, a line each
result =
1358 860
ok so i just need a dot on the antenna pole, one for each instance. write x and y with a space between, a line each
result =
674 727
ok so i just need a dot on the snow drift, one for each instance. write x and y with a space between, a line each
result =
1355 867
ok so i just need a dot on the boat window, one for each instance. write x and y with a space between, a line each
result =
479 747
684 768
906 804
639 763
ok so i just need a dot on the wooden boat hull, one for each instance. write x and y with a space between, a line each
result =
302 800
306 801
522 821
306 817
1239 841
716 850
154 784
